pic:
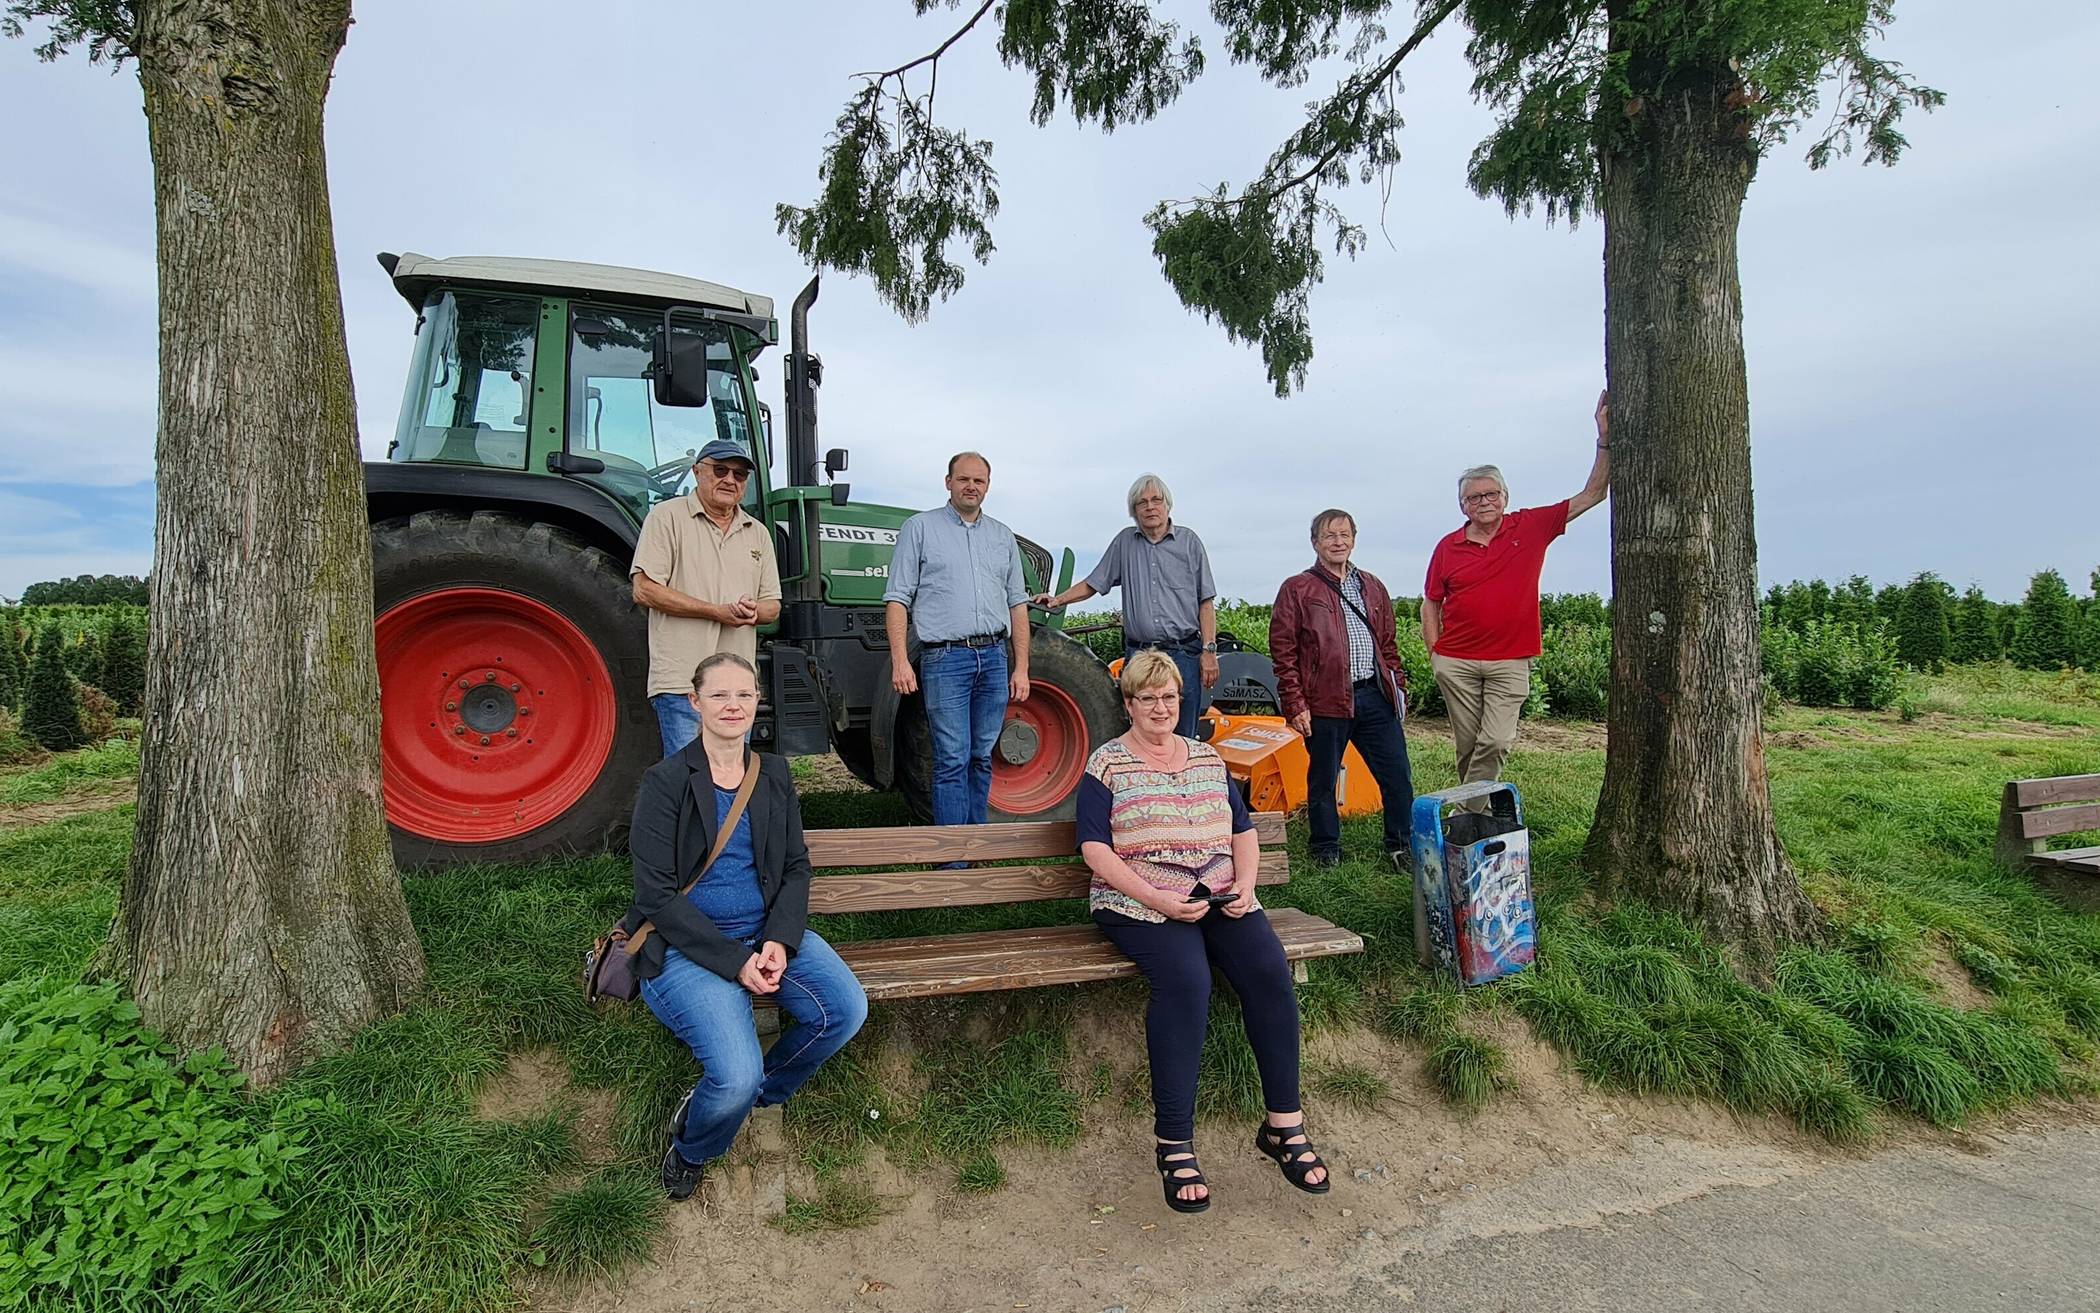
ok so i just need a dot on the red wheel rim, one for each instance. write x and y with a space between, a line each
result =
497 714
1060 748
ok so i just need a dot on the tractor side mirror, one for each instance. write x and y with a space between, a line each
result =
838 493
834 461
765 430
678 367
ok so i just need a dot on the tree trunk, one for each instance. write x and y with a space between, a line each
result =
1685 814
261 909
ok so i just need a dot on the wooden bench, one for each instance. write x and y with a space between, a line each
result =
1047 867
2034 811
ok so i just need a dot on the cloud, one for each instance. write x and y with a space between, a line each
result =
120 272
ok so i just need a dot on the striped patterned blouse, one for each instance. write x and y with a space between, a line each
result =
1174 828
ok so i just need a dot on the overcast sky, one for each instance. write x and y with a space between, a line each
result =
1923 367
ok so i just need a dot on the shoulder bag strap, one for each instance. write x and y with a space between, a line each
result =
722 836
1347 602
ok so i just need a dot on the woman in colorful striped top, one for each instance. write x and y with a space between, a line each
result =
1174 856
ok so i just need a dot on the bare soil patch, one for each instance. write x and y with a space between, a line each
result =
1951 980
537 1080
98 796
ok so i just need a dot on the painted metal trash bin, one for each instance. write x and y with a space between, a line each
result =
1473 912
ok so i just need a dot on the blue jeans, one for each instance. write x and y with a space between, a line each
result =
713 1018
965 690
1376 732
677 719
1194 697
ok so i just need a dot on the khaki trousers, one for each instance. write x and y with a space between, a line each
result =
1483 699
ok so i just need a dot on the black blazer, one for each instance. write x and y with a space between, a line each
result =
674 826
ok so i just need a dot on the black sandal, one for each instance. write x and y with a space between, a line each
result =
1172 1179
1298 1161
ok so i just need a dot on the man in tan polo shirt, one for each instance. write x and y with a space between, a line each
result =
705 569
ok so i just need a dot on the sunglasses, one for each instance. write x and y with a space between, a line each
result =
741 473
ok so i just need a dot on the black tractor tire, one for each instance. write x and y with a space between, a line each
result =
1070 679
436 551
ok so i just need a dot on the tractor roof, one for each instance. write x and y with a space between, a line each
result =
414 275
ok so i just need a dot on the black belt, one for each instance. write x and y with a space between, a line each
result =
974 640
1368 681
1192 643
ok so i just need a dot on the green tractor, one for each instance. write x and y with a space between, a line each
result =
549 405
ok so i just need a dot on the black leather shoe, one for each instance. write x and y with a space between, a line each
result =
680 1177
1403 861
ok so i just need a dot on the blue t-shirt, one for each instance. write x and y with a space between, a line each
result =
728 894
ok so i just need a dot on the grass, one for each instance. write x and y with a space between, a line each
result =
112 759
404 1199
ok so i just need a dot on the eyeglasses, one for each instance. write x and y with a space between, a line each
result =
1483 498
1153 701
1337 537
738 472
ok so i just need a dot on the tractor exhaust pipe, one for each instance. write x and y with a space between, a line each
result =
805 374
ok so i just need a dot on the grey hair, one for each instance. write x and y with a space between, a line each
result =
1482 472
1137 490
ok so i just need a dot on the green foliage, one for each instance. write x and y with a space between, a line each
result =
837 1206
50 703
1557 609
1975 632
2045 637
1832 664
15 747
2089 637
123 1171
1575 664
14 668
1922 634
124 662
1468 1069
86 590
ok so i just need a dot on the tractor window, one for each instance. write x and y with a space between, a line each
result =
468 383
613 413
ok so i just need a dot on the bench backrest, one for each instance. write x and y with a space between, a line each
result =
1047 852
2035 810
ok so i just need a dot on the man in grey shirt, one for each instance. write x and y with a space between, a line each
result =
1169 599
956 579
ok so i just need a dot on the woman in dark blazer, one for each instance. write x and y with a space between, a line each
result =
741 931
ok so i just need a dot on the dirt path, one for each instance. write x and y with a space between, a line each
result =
1085 1230
100 796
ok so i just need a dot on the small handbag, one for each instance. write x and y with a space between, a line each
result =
608 966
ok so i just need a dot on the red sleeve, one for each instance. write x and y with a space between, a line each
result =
1433 584
1283 650
1553 520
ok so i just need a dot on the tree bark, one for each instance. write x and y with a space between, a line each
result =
1685 814
261 910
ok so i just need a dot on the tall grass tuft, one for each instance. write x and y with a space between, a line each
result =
599 1228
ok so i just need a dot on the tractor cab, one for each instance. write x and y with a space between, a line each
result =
543 366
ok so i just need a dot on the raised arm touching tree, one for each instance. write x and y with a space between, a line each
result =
1653 116
261 910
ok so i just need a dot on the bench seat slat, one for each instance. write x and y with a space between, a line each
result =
2085 861
1023 959
919 845
2059 820
878 891
2061 788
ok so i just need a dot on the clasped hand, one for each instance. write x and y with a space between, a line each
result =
762 971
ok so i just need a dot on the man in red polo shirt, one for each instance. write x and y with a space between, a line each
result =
1480 605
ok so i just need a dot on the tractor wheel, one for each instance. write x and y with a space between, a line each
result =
511 669
1072 708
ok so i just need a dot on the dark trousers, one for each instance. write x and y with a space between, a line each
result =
1176 958
1376 732
1194 697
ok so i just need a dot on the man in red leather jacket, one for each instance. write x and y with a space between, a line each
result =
1339 678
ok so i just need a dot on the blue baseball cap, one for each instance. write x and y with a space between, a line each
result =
723 450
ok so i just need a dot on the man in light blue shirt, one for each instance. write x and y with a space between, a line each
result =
956 578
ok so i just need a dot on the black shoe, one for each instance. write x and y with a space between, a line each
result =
680 1177
1403 861
1326 861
